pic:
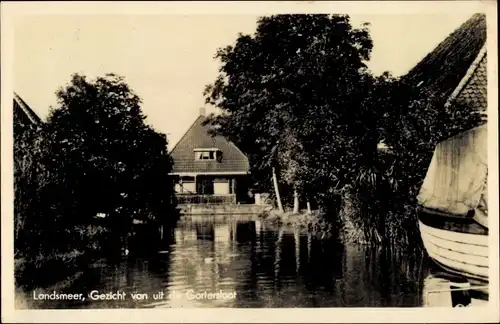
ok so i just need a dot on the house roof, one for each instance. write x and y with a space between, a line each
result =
472 90
198 137
25 112
442 70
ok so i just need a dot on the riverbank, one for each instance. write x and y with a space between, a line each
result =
210 209
46 270
313 221
316 222
24 297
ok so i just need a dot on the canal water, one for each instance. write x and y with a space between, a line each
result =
220 261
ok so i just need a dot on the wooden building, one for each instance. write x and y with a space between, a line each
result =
209 169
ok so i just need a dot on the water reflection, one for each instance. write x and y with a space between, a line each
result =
444 290
266 265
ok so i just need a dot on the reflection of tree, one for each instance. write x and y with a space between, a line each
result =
245 262
277 257
245 232
296 240
381 277
268 267
318 274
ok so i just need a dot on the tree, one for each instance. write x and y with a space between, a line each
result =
30 177
97 155
411 121
288 95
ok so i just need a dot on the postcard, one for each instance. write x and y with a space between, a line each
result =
249 162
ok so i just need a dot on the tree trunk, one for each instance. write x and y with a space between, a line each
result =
308 207
295 201
277 192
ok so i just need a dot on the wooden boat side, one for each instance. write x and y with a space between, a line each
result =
466 254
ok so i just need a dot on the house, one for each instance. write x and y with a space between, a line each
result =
209 169
457 67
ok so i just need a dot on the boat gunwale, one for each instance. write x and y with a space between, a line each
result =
438 220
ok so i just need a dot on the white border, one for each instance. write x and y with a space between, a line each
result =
12 10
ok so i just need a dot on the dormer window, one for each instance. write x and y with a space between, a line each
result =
207 154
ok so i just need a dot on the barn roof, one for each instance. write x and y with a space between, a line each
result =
198 137
442 70
23 111
472 89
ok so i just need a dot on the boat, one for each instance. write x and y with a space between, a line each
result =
453 205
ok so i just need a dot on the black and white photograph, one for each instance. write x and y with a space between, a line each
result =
243 159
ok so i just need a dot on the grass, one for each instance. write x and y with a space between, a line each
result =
313 222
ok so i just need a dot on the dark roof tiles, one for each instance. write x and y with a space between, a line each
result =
198 137
474 93
441 71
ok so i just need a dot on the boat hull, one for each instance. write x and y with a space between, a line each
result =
457 252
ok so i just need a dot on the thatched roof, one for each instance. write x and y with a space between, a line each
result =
441 71
24 112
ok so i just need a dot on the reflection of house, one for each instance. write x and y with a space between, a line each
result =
208 169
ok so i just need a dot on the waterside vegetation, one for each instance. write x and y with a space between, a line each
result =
298 97
83 177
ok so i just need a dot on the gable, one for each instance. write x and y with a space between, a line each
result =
198 137
23 114
474 93
441 71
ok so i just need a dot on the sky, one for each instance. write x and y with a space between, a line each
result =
168 59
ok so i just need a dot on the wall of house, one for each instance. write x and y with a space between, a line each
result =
215 185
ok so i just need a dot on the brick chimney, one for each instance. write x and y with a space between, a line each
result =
202 111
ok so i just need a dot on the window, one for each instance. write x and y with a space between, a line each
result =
186 187
207 154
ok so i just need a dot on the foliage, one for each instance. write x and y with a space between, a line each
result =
412 122
296 96
289 95
314 222
95 154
